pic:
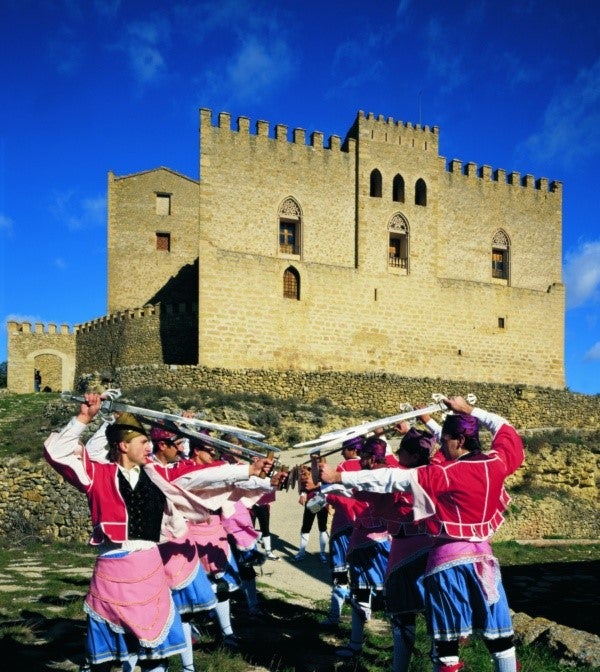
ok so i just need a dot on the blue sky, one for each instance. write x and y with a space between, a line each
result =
96 85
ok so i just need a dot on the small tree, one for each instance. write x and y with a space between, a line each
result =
3 372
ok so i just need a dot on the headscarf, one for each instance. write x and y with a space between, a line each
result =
461 423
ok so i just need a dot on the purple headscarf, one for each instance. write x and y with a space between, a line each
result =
373 447
414 442
461 423
354 443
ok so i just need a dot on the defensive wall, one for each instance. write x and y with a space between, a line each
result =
48 348
153 334
215 247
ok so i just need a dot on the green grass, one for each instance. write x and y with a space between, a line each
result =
510 553
42 621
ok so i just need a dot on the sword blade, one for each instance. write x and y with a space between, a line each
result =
341 435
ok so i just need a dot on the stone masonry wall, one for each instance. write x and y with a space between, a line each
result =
34 500
528 407
152 334
48 348
137 270
355 312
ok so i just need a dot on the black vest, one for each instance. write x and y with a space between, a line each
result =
145 507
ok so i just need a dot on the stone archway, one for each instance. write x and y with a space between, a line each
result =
55 367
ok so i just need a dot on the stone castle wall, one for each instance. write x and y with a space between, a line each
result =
213 246
48 348
355 312
152 334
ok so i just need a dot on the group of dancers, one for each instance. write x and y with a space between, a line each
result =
410 534
174 531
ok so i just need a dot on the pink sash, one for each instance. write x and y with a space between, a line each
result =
131 593
479 553
212 544
180 559
239 525
407 549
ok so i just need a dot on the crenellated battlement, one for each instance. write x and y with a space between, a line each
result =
405 135
42 347
142 312
276 133
40 328
512 179
391 123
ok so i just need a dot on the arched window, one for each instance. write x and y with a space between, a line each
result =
500 255
291 284
420 192
398 189
398 242
375 188
290 227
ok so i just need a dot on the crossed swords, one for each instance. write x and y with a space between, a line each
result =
187 427
190 428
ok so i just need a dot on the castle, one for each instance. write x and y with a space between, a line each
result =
371 253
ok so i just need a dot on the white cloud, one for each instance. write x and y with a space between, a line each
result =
6 225
582 274
257 67
402 8
78 213
143 46
445 61
60 264
571 126
17 317
593 353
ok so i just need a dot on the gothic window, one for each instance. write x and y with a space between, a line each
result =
163 241
375 188
163 204
290 227
420 192
500 255
398 189
291 284
398 242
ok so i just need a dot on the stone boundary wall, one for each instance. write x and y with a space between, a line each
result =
527 407
36 502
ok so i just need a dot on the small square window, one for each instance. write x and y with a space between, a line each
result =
163 204
500 323
163 242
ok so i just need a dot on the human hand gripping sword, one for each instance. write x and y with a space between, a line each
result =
110 405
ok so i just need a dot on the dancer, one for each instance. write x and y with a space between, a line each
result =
345 509
310 490
368 550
